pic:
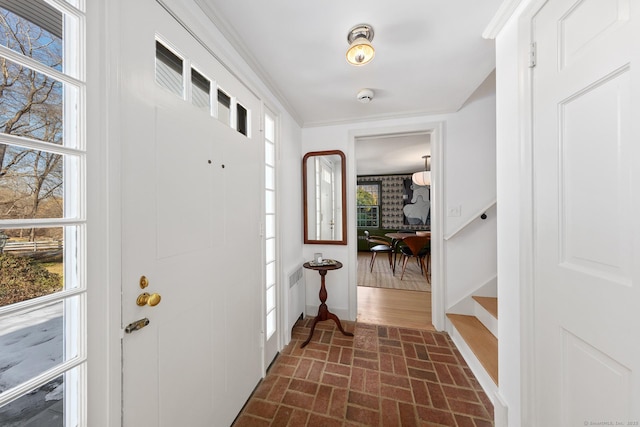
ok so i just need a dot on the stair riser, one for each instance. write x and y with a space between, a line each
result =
490 322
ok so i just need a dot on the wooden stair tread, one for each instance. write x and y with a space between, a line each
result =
480 340
489 303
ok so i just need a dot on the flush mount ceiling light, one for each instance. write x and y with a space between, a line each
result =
360 50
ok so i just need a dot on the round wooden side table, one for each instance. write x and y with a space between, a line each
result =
323 311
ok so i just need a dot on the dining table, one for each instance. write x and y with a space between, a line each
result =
398 237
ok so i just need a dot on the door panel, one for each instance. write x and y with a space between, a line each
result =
585 196
185 218
191 221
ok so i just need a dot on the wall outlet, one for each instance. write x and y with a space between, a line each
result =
454 211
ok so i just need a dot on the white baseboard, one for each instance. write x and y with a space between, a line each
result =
487 384
500 411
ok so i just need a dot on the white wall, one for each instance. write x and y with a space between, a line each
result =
315 139
469 182
290 218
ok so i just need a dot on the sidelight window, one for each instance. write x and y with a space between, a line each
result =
42 213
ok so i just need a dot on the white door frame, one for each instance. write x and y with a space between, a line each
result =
522 14
103 213
438 276
527 250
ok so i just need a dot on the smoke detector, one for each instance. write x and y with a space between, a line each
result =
365 96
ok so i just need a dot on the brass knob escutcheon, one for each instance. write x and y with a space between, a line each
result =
148 299
144 282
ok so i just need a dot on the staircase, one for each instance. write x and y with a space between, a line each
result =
476 336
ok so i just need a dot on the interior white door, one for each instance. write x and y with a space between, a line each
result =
191 226
587 202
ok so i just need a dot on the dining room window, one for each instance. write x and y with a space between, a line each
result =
368 204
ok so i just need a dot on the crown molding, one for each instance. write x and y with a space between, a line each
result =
236 43
504 13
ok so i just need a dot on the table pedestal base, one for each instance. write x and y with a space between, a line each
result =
325 314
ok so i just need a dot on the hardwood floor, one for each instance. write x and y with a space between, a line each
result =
382 277
393 307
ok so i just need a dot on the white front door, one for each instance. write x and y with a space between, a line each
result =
192 181
587 204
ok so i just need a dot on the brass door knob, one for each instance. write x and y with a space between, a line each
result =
150 300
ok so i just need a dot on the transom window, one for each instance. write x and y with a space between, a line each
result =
200 90
171 75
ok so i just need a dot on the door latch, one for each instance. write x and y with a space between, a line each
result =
136 326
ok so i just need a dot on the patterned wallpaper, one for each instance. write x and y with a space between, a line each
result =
396 192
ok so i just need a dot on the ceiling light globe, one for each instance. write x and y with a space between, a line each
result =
360 52
422 178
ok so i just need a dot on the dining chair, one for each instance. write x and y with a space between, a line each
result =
378 244
397 245
418 247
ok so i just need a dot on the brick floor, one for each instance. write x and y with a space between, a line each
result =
383 376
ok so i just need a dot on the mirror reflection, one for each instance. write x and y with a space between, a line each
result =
325 220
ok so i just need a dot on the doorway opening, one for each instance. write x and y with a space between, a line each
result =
388 201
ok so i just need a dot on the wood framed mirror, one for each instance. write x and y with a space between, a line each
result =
324 197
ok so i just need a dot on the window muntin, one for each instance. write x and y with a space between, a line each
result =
33 263
31 105
270 228
33 342
32 183
56 394
33 29
368 216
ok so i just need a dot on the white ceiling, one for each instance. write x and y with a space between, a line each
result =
430 55
402 154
